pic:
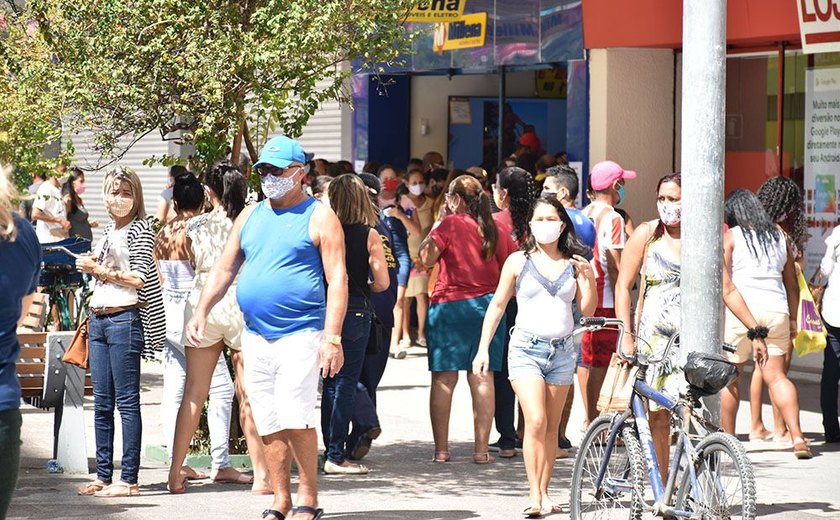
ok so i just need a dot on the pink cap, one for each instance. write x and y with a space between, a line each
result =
605 173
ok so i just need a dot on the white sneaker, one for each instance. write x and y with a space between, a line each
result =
330 468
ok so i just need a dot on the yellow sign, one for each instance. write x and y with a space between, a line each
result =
551 83
469 31
437 11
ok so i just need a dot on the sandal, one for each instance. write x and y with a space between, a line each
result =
316 513
441 456
240 478
483 458
532 512
273 512
119 489
802 451
89 489
188 473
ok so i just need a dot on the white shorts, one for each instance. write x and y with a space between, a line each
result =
281 379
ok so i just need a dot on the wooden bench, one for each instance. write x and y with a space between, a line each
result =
47 382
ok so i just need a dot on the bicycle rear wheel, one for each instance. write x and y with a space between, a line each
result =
725 486
621 494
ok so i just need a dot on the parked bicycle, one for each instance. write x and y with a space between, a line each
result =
61 282
710 475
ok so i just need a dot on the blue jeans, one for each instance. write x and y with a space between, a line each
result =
365 416
115 343
505 398
339 393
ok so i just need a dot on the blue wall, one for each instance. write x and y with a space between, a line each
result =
386 128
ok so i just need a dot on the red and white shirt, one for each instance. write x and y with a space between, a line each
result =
609 234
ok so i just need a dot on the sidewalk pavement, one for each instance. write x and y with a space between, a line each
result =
403 483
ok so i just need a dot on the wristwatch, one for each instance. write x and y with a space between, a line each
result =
332 339
103 273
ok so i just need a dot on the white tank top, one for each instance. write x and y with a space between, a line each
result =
759 278
545 306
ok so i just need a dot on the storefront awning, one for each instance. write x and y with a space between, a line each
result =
658 23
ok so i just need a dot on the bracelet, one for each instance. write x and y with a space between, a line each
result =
757 332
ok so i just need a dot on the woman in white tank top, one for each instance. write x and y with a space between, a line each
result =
547 276
762 268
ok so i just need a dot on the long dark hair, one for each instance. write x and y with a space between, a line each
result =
227 182
676 178
743 209
69 189
521 190
478 207
187 192
782 200
568 243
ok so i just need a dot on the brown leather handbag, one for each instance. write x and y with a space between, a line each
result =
77 353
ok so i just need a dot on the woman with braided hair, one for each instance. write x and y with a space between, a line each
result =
761 263
471 246
782 200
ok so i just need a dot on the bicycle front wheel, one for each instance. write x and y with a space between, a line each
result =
724 485
621 493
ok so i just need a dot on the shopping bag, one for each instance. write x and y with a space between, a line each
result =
810 334
618 386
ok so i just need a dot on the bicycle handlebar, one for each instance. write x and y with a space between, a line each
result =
59 249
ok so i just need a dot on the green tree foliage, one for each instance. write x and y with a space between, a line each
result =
212 75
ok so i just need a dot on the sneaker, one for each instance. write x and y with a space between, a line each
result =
494 447
331 468
363 444
565 444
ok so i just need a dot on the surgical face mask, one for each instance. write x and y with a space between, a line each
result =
80 189
670 213
119 206
325 200
620 191
546 231
417 189
275 187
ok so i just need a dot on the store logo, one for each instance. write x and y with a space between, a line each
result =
819 25
470 31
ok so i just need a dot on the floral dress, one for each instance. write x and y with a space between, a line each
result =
660 318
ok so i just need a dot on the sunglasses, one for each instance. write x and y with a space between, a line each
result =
266 169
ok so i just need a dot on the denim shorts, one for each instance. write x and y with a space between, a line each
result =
552 360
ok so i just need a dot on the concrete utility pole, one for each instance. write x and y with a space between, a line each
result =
703 109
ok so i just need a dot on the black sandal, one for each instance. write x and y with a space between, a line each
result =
276 514
316 513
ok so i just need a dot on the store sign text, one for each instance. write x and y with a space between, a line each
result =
470 31
437 11
819 25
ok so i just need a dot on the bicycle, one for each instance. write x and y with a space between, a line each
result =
60 279
608 480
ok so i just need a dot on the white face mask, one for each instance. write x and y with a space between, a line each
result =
546 231
119 206
670 213
275 187
417 189
325 200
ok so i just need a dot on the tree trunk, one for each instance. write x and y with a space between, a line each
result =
249 144
236 149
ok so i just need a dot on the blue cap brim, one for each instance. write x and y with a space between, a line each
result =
279 163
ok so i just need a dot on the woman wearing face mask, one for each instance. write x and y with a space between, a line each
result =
419 206
471 246
655 251
126 321
547 275
71 191
404 226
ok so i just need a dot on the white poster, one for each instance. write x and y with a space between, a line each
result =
822 159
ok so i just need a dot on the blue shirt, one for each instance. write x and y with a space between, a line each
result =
21 261
281 288
584 227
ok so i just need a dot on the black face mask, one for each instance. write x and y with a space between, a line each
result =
436 190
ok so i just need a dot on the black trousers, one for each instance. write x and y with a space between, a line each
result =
828 384
10 422
505 398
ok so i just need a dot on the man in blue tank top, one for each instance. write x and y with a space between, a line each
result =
292 290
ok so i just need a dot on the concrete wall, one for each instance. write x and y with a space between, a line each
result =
430 96
632 118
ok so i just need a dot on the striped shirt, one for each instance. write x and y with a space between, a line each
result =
609 234
141 243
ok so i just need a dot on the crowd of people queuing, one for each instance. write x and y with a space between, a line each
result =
331 273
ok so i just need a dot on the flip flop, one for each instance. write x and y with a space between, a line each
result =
306 510
241 479
92 488
178 490
441 456
554 509
191 474
273 512
118 490
532 512
483 458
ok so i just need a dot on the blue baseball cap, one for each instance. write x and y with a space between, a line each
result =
281 151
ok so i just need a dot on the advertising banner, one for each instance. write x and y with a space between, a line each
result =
822 159
470 31
819 25
437 11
